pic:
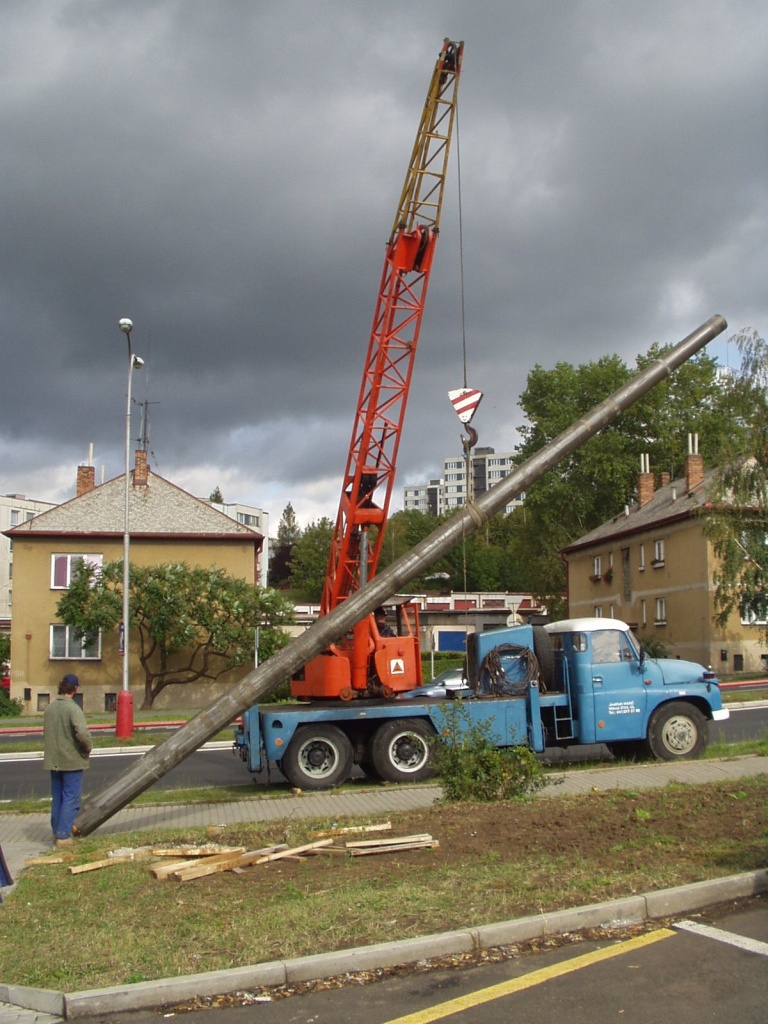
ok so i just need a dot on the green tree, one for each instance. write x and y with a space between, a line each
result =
309 560
193 622
593 483
288 533
216 496
288 530
737 519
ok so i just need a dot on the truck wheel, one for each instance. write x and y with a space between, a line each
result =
318 757
401 750
676 731
545 655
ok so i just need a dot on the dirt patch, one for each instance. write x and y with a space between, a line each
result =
612 829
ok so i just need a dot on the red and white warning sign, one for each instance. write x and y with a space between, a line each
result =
465 401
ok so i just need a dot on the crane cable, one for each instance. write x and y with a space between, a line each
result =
463 332
461 249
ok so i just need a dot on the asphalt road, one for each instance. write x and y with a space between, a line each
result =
24 777
708 967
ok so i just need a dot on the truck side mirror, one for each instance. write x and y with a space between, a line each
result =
642 656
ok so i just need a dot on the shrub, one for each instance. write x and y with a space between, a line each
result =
471 767
9 706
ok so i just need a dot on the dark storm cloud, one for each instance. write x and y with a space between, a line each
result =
226 175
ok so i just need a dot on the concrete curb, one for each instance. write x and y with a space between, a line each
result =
631 910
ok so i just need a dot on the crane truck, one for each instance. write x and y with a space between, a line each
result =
578 681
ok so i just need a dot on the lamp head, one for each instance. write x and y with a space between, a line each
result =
126 325
138 362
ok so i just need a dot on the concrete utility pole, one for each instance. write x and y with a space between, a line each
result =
258 683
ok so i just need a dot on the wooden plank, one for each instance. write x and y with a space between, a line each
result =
296 849
162 870
384 827
253 856
433 845
389 842
226 862
97 865
205 866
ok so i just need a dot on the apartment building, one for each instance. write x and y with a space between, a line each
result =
652 566
487 468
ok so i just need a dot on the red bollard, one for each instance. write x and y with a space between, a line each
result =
124 726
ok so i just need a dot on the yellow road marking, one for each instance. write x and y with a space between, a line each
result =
505 988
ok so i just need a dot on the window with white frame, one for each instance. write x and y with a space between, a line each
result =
749 618
597 565
661 611
641 558
63 568
643 614
64 644
658 553
597 612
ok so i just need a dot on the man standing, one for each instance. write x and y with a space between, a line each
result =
68 745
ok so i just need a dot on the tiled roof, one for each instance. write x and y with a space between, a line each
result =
669 503
159 507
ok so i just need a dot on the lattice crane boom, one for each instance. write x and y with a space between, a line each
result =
370 471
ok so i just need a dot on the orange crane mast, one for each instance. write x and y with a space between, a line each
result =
354 667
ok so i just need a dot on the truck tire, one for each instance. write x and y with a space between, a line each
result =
318 757
677 731
401 750
545 655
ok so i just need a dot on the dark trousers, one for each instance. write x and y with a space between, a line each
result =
65 802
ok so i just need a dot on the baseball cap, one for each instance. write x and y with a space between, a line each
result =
71 679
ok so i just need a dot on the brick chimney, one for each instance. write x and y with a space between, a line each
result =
664 479
694 470
140 469
645 482
86 479
694 464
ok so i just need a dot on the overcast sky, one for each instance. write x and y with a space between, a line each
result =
226 175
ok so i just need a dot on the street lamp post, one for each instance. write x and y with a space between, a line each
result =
124 724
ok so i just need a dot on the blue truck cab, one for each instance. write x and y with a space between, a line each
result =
597 685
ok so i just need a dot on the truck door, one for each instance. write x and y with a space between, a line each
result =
619 693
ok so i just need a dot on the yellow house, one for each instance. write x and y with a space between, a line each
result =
652 566
166 525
